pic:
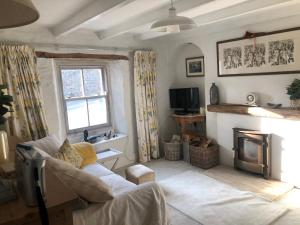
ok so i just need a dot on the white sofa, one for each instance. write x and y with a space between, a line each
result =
132 204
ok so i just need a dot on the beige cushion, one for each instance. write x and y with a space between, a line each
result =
90 188
118 184
69 154
49 144
97 170
139 174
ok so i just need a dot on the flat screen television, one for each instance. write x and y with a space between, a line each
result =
185 100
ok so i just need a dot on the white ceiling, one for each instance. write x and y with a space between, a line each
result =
134 9
109 19
52 12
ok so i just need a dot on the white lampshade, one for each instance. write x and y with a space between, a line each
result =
4 149
173 23
15 13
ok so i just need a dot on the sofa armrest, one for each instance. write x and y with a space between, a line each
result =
146 187
144 204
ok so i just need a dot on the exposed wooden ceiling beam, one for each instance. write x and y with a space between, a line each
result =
246 20
148 18
92 11
254 9
248 8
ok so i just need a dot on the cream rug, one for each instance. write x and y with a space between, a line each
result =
267 189
214 203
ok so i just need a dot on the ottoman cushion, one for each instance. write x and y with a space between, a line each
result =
139 174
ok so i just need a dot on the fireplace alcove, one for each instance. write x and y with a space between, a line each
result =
252 151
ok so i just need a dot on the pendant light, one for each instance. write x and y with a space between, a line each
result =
173 23
15 13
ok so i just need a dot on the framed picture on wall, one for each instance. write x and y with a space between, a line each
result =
195 66
276 52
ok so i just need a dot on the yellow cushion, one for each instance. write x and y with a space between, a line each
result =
87 153
69 154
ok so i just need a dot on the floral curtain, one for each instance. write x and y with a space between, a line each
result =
18 70
145 103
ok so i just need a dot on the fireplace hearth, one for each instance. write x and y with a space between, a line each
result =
252 151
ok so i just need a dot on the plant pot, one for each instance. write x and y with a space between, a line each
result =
295 104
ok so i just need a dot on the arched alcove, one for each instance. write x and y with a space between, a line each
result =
183 52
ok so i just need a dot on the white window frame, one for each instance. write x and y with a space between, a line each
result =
76 64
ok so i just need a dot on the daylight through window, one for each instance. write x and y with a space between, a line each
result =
86 97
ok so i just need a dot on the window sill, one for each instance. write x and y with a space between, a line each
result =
119 137
78 136
92 130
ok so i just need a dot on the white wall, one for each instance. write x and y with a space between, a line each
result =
51 97
171 74
184 51
123 110
234 90
271 88
122 106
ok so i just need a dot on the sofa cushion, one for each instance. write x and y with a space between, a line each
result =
118 184
97 170
87 153
49 144
69 154
89 187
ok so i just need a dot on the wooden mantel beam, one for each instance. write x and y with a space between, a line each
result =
280 113
50 55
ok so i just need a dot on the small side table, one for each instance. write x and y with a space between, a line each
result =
184 120
108 155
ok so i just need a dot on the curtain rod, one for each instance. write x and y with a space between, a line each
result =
48 55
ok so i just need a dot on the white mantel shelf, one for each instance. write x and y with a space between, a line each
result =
280 113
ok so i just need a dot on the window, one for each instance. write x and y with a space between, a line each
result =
85 96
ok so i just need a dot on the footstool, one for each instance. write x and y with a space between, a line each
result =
139 174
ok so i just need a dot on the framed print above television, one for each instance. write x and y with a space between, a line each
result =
194 66
270 53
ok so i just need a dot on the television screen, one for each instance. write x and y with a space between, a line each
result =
185 99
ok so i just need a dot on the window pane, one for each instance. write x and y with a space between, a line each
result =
93 83
97 111
77 114
72 83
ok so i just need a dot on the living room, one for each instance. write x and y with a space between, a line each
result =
102 74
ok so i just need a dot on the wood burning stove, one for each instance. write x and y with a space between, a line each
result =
252 151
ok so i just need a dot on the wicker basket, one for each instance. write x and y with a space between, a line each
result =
204 157
172 151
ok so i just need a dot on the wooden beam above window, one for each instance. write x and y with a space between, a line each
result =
50 55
